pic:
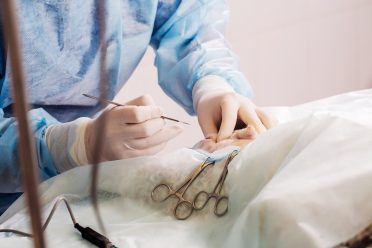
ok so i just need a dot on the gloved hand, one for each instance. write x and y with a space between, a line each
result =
136 129
220 110
240 138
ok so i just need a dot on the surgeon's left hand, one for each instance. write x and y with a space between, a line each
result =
221 112
241 138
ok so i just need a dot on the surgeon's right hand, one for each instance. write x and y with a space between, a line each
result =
136 129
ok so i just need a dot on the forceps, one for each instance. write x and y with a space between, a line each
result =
184 208
119 104
221 205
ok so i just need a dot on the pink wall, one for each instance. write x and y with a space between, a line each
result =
292 51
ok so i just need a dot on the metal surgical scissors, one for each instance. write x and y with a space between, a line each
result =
221 205
184 208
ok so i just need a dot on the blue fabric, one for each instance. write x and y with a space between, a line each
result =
10 175
61 55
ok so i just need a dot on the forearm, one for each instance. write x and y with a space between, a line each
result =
66 144
191 46
10 175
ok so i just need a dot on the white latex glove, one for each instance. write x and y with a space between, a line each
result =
241 138
220 110
131 131
136 129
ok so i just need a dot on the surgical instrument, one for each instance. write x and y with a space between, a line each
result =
119 104
221 204
86 232
184 208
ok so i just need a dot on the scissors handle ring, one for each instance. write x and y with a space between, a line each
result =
156 192
183 210
202 197
220 200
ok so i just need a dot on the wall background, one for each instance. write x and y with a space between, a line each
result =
292 51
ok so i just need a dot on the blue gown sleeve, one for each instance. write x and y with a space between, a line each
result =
10 174
189 42
39 119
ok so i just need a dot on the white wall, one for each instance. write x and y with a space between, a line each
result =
292 51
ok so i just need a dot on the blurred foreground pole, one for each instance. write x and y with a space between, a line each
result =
26 142
101 129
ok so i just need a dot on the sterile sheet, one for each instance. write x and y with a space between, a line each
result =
305 183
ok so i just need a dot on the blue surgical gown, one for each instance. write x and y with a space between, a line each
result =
61 54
